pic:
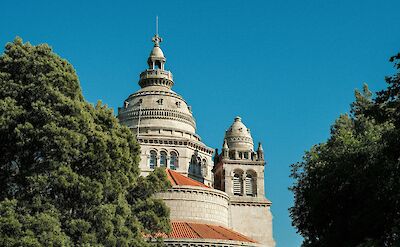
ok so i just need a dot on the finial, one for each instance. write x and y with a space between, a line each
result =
260 148
238 119
225 145
156 39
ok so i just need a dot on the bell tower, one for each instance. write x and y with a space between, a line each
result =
239 172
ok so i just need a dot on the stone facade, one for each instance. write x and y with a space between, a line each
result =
166 131
197 204
252 218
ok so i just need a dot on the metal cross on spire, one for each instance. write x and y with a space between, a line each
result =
157 39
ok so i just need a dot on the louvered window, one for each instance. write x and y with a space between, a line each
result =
249 185
237 185
204 168
198 166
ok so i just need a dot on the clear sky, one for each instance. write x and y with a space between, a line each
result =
288 68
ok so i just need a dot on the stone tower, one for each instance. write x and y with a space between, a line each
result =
164 124
239 172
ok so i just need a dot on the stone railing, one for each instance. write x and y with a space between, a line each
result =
156 73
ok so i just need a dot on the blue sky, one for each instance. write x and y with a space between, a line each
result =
288 68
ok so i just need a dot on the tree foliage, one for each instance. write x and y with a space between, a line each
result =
68 170
347 190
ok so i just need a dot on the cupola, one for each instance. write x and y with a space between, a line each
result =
156 75
238 136
156 59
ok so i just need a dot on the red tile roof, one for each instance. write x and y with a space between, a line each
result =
182 229
178 179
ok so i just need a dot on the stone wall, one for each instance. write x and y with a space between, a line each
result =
253 219
189 203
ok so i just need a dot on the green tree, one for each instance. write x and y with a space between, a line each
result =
68 170
347 190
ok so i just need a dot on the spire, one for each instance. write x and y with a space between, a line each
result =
156 39
225 145
260 148
155 74
225 149
156 59
260 152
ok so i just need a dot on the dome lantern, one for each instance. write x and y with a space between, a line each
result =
156 59
156 75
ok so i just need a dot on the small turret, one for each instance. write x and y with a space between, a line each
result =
260 152
225 150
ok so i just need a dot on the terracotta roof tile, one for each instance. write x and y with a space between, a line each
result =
178 179
203 231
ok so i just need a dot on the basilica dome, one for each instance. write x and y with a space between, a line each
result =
155 106
238 136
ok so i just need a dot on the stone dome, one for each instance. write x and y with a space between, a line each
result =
238 136
159 107
155 107
156 52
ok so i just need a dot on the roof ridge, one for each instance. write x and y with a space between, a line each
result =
182 180
212 227
238 233
172 177
188 224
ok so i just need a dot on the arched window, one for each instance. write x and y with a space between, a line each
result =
251 183
198 166
237 184
163 159
173 162
153 159
204 168
192 165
